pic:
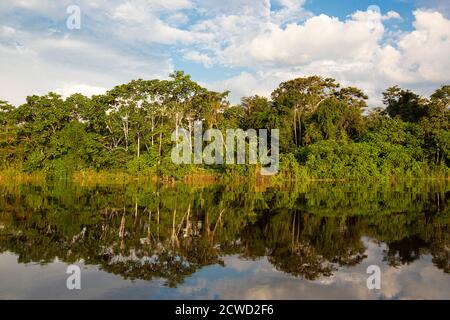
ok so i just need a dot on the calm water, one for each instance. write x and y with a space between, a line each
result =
312 241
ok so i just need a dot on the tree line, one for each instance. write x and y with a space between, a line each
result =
326 130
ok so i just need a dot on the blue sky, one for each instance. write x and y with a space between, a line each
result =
344 8
245 46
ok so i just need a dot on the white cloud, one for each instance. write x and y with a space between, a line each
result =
178 18
392 15
136 20
85 89
441 6
40 65
265 43
7 32
198 57
215 8
36 61
291 11
321 37
353 51
246 84
426 50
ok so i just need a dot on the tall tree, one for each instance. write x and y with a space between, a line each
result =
299 97
404 103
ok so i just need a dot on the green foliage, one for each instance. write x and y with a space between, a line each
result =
332 159
290 169
404 103
334 119
324 132
145 164
169 169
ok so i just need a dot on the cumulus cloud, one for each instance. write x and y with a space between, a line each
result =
244 84
262 42
291 11
139 20
441 6
319 38
353 51
425 51
39 54
392 15
35 66
198 57
85 89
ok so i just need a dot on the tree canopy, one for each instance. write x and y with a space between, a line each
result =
326 130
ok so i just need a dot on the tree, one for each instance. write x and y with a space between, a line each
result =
436 125
297 98
404 103
8 132
334 119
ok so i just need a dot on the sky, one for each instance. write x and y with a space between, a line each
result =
245 46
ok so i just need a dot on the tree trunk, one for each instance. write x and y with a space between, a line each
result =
138 146
300 128
160 142
125 131
295 127
153 127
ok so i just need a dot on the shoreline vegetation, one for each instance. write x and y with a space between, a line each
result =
327 133
92 178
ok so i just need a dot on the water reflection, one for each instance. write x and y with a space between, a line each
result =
311 232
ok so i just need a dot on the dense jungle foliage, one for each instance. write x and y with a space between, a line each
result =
326 131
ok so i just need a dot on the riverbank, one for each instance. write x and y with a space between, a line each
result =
199 177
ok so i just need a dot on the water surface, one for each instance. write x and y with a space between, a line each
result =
311 241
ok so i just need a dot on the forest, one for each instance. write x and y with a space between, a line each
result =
327 131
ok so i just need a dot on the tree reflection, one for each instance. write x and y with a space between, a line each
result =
169 233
